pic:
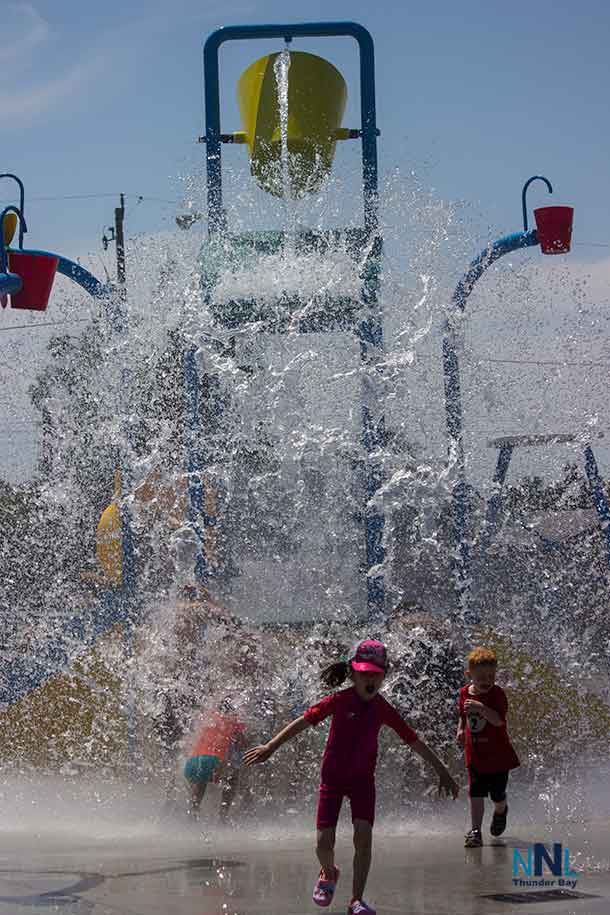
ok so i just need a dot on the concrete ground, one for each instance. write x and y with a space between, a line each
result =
78 855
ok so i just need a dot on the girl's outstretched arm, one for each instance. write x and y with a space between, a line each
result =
260 754
446 783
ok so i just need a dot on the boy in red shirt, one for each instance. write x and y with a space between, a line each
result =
487 748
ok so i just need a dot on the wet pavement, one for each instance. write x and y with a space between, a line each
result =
182 873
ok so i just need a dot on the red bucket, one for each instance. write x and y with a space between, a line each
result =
554 226
37 272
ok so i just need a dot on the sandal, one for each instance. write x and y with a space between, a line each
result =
324 890
360 907
498 823
473 839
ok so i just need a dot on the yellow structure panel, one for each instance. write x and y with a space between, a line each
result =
9 224
75 716
545 711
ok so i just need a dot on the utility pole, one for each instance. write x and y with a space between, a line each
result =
118 237
119 216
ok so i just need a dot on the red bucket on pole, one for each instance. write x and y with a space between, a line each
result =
37 272
554 226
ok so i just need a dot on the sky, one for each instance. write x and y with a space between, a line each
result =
107 98
99 99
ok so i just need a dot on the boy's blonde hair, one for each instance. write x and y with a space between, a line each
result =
480 656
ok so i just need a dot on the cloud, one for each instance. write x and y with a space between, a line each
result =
25 33
21 107
23 30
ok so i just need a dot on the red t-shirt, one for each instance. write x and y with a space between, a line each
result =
217 734
351 748
487 746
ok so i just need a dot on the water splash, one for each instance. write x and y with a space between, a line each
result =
281 68
280 445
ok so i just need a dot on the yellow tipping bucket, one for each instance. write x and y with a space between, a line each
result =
109 539
316 102
9 224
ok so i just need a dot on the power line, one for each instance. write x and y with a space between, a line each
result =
564 364
45 324
139 197
473 357
593 244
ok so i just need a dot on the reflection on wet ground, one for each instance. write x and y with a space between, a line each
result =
426 874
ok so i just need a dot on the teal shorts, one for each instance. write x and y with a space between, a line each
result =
200 768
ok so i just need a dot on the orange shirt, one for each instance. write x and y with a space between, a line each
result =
217 735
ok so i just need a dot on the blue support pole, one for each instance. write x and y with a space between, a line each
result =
196 492
493 506
495 501
128 607
599 497
453 405
370 336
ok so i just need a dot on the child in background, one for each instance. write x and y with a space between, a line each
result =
488 751
216 756
348 765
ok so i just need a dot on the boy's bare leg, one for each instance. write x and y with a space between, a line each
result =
229 790
325 850
500 806
363 843
477 809
197 795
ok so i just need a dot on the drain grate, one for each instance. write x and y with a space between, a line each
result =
539 896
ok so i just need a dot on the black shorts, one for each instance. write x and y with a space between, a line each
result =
482 784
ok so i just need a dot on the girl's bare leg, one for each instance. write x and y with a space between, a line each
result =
363 844
325 850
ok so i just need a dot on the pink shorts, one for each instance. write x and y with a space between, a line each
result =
361 797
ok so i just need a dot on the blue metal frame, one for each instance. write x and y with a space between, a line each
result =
454 418
370 330
10 283
494 503
21 211
549 188
598 495
216 217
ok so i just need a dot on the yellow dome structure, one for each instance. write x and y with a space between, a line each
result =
317 96
9 224
109 539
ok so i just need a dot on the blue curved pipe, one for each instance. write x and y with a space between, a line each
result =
10 283
76 273
453 402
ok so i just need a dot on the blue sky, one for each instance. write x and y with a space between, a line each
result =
474 96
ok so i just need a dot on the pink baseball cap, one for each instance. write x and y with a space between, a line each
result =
369 655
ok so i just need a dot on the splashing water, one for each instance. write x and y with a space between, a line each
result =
281 67
279 441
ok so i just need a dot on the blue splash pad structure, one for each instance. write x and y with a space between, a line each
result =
358 315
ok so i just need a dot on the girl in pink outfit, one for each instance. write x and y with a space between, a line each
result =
348 765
